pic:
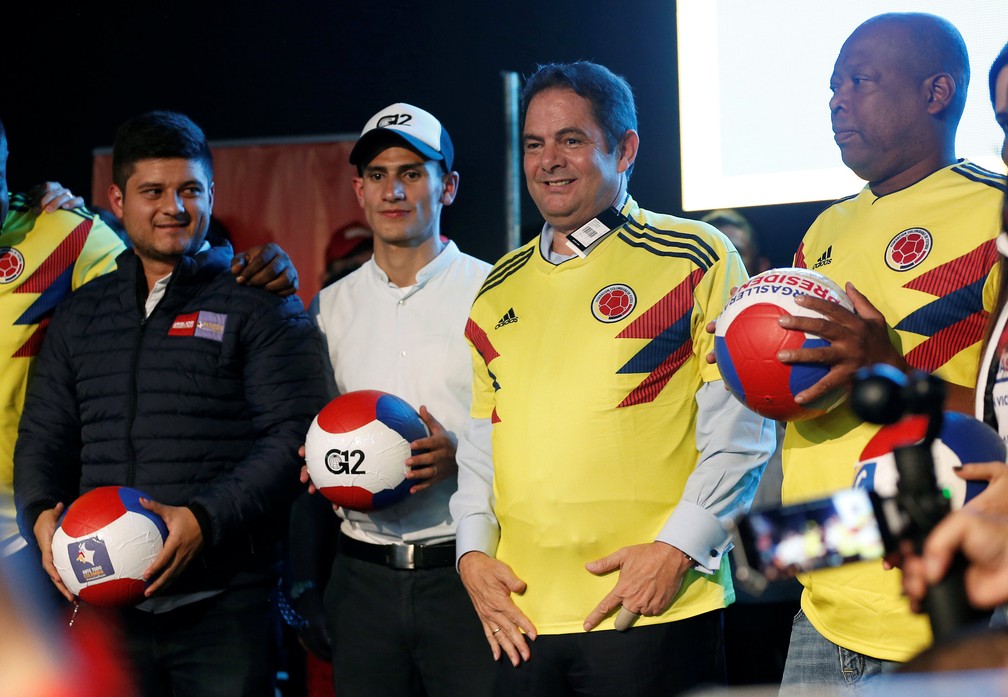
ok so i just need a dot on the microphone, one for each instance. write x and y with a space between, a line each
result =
877 394
882 394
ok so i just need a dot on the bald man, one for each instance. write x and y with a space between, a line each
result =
914 249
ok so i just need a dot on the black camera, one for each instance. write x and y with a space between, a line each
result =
854 524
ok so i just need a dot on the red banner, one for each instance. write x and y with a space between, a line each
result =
294 193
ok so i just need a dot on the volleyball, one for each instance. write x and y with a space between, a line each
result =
356 449
963 440
748 337
104 543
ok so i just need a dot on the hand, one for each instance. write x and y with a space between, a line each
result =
45 528
857 339
306 479
490 584
185 540
649 578
52 196
915 583
712 326
710 330
438 462
266 266
994 499
983 540
903 553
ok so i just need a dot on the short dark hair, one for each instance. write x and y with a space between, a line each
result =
610 95
158 134
999 63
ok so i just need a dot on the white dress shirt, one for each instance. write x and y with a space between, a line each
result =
409 342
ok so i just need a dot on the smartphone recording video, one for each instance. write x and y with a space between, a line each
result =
778 543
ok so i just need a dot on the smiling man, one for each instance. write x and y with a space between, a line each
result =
603 450
397 324
51 245
170 376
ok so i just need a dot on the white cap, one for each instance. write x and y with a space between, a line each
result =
418 128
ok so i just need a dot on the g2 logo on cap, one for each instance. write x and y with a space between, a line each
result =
394 120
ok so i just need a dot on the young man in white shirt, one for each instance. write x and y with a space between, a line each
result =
397 325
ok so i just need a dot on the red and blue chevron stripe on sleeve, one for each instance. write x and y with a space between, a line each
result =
799 257
481 341
955 319
53 280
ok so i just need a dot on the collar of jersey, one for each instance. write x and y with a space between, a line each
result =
545 241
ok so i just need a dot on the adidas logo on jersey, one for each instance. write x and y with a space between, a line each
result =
824 258
509 318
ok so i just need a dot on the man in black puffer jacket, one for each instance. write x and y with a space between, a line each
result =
168 376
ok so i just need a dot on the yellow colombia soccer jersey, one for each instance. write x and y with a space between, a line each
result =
42 258
588 371
922 256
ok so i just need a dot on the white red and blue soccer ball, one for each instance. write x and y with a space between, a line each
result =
104 543
356 449
748 337
963 440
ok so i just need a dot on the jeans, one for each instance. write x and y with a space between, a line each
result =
817 666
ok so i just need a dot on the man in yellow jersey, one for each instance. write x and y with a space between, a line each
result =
603 451
914 247
44 254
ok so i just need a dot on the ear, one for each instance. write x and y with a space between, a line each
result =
210 195
627 149
115 197
449 183
358 187
941 92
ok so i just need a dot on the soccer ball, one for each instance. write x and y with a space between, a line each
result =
747 339
356 449
962 440
104 543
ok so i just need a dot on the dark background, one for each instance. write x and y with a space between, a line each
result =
255 70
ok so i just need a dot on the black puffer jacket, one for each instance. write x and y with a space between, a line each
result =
203 404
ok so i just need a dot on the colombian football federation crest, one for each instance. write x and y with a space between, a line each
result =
12 264
613 303
908 249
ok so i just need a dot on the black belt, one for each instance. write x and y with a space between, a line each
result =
399 556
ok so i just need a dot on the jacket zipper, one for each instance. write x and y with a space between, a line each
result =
131 419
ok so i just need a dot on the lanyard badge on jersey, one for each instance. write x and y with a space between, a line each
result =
587 237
